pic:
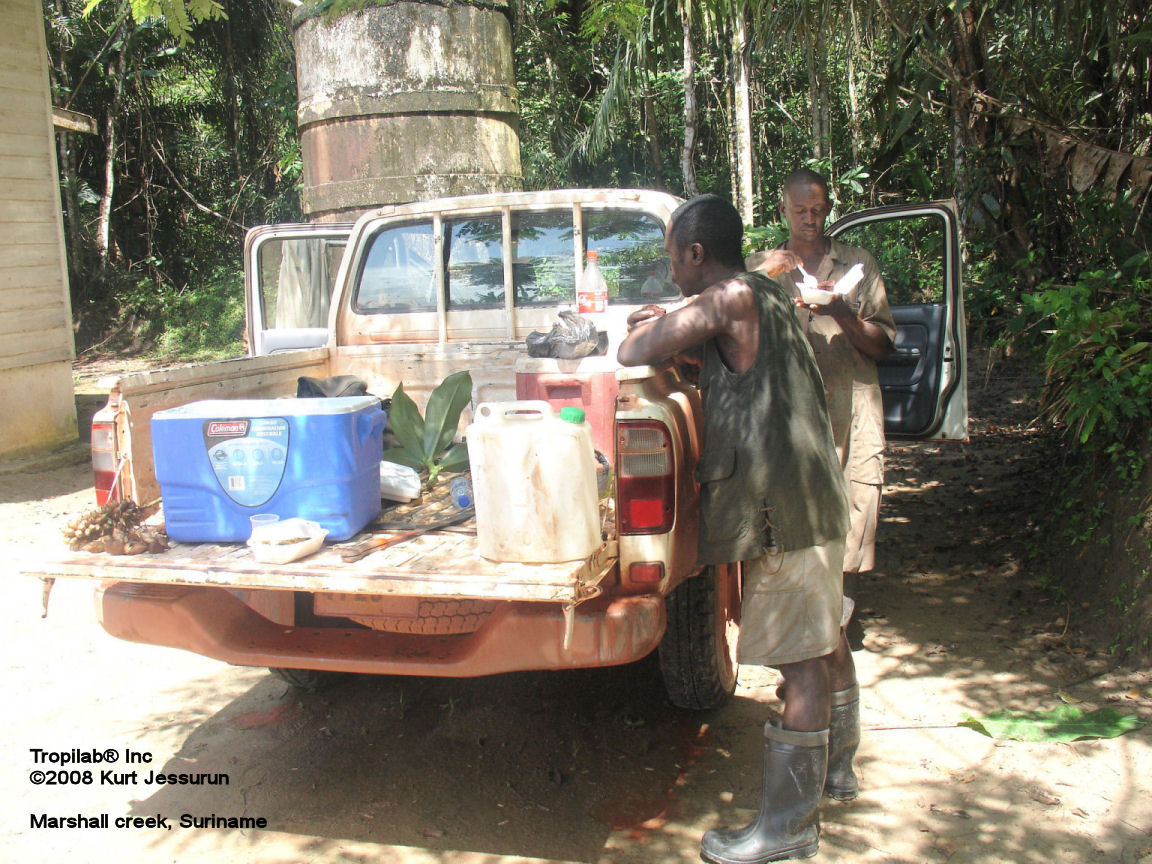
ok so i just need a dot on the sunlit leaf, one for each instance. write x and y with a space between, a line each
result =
1062 723
443 413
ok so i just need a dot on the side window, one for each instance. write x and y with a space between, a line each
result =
630 252
543 268
910 251
399 271
475 268
296 279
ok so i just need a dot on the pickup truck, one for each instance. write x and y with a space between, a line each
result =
411 293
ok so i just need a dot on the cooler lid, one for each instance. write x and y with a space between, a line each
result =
293 407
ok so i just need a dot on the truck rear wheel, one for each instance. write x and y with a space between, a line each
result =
698 651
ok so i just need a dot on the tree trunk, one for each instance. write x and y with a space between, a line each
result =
973 131
820 122
813 97
104 223
652 136
742 121
854 124
230 93
688 150
825 99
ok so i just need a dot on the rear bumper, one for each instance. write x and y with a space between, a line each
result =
517 637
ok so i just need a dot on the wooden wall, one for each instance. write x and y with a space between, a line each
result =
37 408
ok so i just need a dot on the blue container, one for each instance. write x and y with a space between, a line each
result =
219 461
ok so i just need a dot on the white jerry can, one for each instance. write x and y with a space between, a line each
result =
534 481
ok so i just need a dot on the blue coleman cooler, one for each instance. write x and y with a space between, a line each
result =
220 461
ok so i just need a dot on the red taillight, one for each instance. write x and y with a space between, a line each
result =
645 477
104 460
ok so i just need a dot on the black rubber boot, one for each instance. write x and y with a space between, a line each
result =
843 739
787 825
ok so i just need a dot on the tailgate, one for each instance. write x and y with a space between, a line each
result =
431 565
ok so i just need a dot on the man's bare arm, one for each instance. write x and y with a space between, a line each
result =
725 311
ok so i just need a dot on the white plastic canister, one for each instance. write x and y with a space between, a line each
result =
534 481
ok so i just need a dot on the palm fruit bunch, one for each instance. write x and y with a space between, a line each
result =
115 528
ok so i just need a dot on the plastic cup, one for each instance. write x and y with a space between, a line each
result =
259 520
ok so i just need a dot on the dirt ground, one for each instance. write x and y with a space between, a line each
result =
596 766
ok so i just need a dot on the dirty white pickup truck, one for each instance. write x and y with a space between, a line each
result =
412 293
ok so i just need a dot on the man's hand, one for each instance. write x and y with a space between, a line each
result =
645 315
773 262
837 308
870 339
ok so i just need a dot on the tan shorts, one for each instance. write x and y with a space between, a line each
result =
860 549
792 605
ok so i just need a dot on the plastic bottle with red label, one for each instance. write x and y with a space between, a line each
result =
592 292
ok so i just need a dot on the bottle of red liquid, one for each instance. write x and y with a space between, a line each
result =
592 292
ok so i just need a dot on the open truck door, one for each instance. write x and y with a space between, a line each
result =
289 271
924 379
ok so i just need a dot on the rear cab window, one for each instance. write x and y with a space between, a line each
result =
466 271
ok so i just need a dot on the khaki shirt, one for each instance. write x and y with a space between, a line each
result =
851 383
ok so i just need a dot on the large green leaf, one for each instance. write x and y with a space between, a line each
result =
456 459
443 414
408 426
405 456
1062 723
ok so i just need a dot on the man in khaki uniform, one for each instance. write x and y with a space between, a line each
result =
848 336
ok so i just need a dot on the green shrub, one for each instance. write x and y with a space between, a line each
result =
204 321
1099 358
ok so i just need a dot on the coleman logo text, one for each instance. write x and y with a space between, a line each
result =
227 427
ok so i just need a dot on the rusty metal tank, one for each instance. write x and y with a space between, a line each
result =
404 101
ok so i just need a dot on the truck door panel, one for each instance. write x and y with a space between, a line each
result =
289 274
923 380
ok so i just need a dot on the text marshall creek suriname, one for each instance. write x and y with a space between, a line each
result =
187 820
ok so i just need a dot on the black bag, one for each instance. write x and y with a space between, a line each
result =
570 339
337 385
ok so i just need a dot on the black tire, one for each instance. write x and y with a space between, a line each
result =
698 651
307 679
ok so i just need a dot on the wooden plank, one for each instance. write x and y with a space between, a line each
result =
21 278
18 142
24 79
20 234
40 322
74 121
25 112
43 210
32 349
28 358
43 189
24 167
28 256
21 39
414 568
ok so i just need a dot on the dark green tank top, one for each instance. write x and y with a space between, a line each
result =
769 477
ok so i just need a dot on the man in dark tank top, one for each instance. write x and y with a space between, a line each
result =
771 496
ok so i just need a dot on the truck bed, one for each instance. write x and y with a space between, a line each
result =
438 564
